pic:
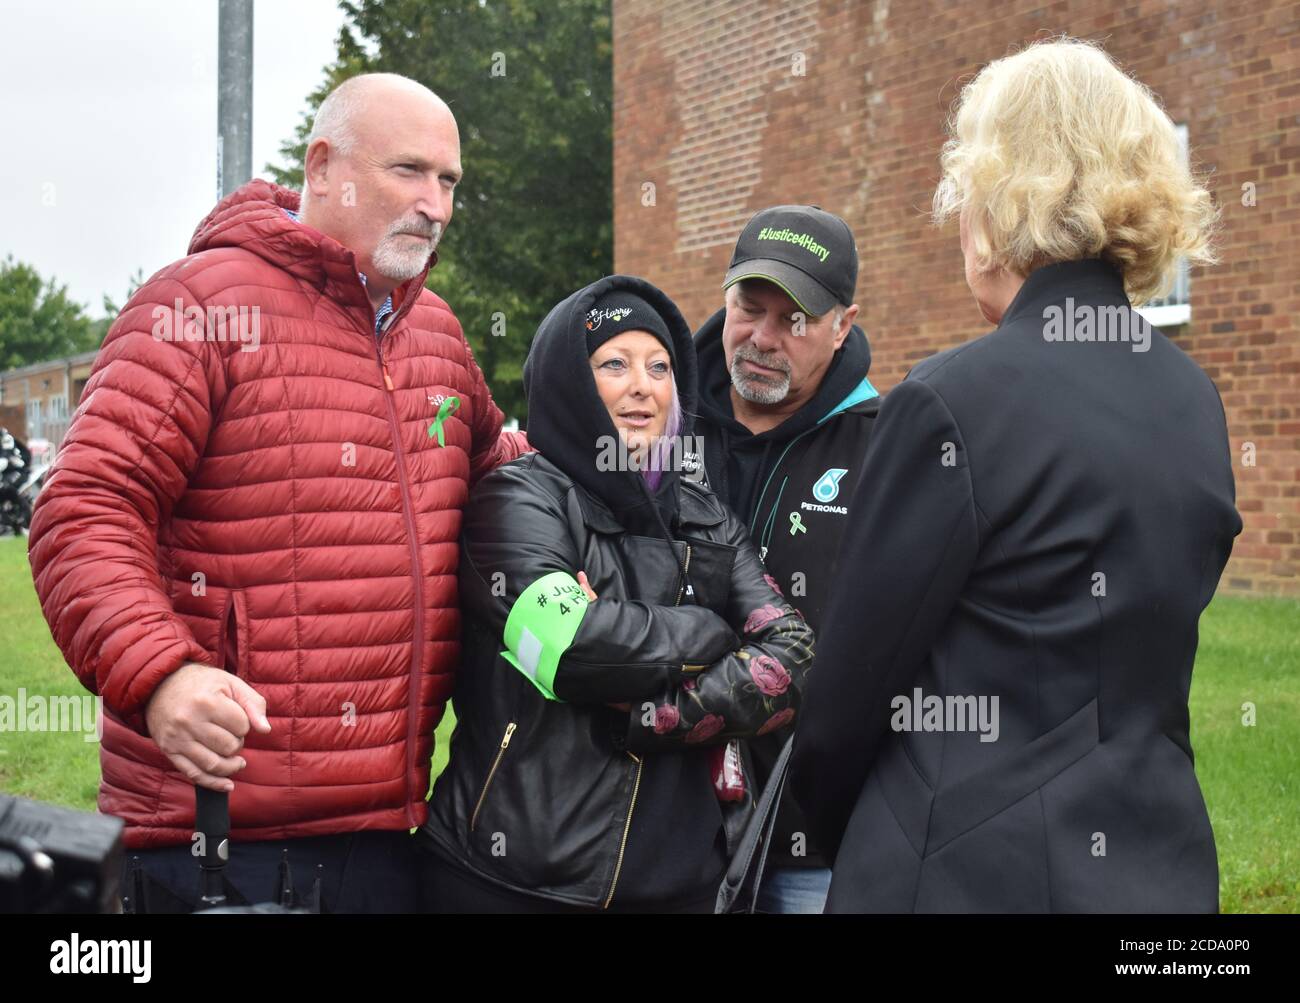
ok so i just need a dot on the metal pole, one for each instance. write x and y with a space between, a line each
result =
234 94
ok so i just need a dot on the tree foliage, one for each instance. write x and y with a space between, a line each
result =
531 87
37 320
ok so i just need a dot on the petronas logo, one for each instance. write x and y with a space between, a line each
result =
828 484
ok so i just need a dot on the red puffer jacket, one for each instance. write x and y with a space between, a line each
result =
275 504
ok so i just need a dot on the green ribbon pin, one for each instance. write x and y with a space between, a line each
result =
445 411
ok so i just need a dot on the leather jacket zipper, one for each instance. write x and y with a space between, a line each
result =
505 744
627 827
686 567
640 764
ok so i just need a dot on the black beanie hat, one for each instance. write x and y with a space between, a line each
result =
620 310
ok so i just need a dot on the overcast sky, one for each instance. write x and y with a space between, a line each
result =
109 112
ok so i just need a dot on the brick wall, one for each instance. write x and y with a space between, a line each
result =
723 108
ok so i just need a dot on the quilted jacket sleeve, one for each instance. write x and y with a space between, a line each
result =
491 446
747 692
132 445
515 533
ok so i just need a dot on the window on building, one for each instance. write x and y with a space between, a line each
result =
1176 307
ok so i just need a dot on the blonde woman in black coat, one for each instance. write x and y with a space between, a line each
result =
1001 724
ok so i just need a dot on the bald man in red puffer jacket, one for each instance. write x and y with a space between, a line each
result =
248 544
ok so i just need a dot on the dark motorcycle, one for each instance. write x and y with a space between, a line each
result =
20 481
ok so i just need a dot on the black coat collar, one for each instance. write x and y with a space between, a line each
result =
1090 280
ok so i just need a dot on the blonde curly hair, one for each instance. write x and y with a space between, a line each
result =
1055 154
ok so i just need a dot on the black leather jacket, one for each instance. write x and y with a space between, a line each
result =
539 794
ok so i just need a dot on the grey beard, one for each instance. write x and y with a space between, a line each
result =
399 264
756 389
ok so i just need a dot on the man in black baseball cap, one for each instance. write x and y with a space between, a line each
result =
786 410
807 252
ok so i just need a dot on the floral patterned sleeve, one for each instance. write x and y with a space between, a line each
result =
746 693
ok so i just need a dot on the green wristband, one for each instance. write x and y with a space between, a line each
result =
541 626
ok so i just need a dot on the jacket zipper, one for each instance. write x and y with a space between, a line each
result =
636 784
505 744
417 641
753 522
627 827
771 519
686 566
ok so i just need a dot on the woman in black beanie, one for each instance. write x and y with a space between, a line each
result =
620 634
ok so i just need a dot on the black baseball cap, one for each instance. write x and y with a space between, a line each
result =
809 252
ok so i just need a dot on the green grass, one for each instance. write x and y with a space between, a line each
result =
49 766
59 766
1249 652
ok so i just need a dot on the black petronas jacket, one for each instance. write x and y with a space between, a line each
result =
549 791
792 486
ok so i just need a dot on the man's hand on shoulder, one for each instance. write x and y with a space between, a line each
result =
198 716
